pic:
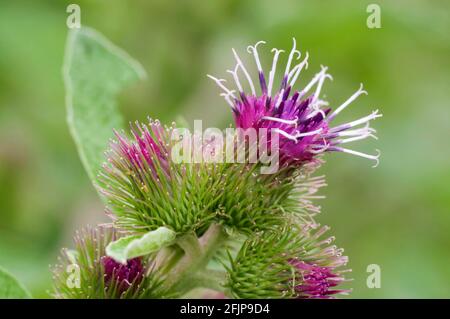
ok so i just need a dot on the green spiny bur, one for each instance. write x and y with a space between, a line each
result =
86 265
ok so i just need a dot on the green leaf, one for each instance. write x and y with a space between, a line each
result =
10 288
95 71
129 247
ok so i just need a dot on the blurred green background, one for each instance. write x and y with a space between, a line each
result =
396 216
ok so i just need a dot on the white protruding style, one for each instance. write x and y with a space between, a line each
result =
314 80
219 83
291 56
226 96
295 72
241 65
236 78
320 84
273 70
254 51
362 120
276 119
347 103
375 158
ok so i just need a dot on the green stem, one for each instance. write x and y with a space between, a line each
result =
191 245
167 258
190 271
212 240
212 279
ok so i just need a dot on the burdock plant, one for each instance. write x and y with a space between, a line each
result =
178 229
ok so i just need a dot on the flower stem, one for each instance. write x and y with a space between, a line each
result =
212 279
190 271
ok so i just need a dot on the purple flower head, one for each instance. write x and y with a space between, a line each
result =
124 276
320 268
133 161
317 282
301 119
148 149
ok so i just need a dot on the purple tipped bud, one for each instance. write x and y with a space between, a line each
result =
124 276
144 151
317 282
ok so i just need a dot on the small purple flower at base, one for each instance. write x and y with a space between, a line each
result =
302 123
124 276
317 282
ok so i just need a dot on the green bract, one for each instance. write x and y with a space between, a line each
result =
265 265
129 247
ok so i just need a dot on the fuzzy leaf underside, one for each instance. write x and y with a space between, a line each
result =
95 71
130 247
10 288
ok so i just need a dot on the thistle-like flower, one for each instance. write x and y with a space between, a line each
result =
302 120
174 220
87 272
317 282
145 189
292 262
149 150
